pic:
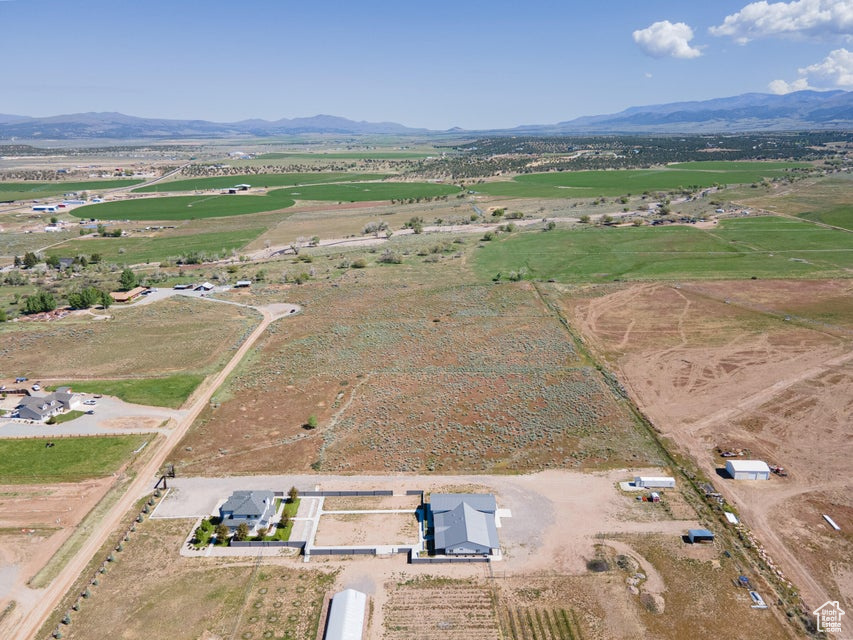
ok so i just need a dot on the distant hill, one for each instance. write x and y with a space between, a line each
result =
117 126
748 112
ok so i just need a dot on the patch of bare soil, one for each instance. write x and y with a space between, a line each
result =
766 366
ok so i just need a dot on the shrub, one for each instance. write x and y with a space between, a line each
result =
359 263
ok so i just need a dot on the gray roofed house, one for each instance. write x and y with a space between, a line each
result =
255 508
464 523
43 407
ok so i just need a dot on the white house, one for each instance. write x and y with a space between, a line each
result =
748 469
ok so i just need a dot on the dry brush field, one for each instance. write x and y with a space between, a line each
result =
418 375
174 335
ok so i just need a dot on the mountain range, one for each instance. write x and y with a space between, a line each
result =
748 112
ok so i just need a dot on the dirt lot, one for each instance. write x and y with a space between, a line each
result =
175 335
34 522
366 529
765 366
407 374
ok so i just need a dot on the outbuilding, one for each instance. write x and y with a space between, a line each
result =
748 469
346 615
654 482
699 535
241 284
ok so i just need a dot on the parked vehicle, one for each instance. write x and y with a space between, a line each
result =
36 387
20 379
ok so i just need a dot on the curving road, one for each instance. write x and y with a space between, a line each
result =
25 627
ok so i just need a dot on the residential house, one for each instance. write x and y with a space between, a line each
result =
254 508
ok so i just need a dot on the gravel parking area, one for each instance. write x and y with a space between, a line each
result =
111 417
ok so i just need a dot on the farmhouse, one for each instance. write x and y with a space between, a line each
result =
128 296
346 615
464 523
43 407
748 469
254 508
656 482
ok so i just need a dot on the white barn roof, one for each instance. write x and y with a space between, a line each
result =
748 466
346 615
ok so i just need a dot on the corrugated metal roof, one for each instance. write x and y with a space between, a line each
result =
464 520
439 502
346 615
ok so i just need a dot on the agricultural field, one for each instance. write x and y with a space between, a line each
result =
156 248
594 184
760 365
171 391
428 607
36 190
348 155
175 335
404 373
190 600
186 207
826 200
372 191
265 180
69 460
761 247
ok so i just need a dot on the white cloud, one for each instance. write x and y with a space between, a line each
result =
814 18
665 39
833 72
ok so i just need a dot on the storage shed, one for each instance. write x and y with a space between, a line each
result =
699 535
654 482
346 615
748 469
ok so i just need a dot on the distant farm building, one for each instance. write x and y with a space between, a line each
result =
654 482
205 286
464 523
748 469
242 284
47 208
699 535
128 296
346 616
254 508
242 187
183 287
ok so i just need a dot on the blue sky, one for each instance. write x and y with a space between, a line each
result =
432 64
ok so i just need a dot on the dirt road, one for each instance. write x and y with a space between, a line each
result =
25 627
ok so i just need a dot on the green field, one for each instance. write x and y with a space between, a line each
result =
185 207
69 460
766 247
349 155
258 180
841 216
171 391
370 192
155 249
592 184
35 190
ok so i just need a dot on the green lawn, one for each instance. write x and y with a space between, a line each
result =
370 192
766 247
66 417
258 180
135 250
171 391
37 190
591 184
69 460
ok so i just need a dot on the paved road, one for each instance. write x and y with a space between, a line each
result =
32 620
